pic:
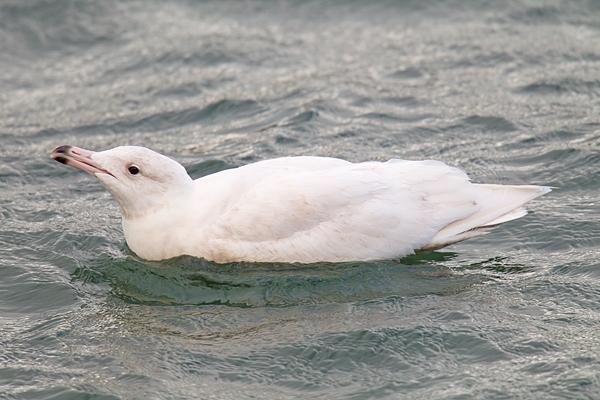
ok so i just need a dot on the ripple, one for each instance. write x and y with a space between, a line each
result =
562 87
218 111
64 24
490 123
506 92
407 73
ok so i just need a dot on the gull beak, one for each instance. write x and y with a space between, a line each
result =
78 158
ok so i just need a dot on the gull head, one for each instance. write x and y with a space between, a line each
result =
140 179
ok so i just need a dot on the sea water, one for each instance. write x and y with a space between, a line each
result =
507 91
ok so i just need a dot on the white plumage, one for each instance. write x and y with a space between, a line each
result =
296 209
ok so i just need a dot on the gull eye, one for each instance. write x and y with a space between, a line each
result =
133 170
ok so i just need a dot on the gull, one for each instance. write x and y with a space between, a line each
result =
296 209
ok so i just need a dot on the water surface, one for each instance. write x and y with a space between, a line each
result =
508 92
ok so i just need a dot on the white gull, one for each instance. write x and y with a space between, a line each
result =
296 209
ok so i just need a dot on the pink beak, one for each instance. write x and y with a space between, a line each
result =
78 158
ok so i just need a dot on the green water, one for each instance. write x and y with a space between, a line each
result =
508 92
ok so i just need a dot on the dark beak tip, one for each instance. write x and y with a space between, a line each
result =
61 160
64 149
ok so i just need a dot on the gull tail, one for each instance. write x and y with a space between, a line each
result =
498 204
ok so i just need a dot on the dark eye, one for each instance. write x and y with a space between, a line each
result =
133 170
